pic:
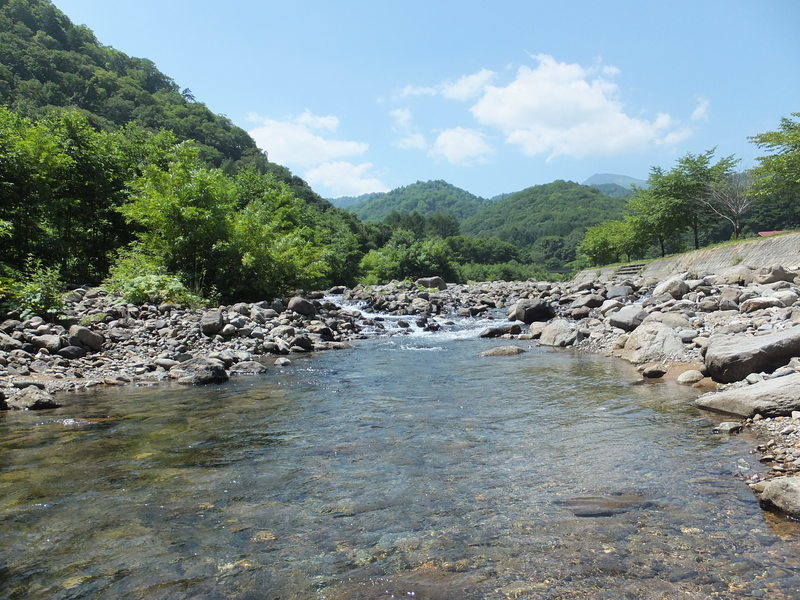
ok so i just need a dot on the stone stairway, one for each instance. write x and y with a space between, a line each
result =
629 270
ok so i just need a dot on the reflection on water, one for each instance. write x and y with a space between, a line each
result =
388 471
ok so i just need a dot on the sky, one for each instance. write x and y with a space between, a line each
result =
493 97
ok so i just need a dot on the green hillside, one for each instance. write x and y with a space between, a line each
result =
620 180
47 62
614 190
549 220
423 197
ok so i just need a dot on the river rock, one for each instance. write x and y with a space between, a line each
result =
7 343
783 494
731 358
503 351
302 306
83 336
282 362
493 332
431 282
528 311
618 291
653 342
675 286
769 398
212 322
759 303
773 274
248 367
72 352
31 398
198 371
50 342
689 377
559 332
628 318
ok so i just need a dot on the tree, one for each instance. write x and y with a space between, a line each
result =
778 172
688 183
730 199
656 218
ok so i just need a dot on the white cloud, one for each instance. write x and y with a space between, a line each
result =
296 143
343 178
402 117
413 141
301 142
460 146
700 112
463 88
404 125
468 86
561 108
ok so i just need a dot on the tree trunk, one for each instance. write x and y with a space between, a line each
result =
661 243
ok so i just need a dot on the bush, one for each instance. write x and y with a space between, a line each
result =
139 279
38 290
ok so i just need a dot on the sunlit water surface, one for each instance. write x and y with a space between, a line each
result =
407 467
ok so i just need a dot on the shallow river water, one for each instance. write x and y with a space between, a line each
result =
407 467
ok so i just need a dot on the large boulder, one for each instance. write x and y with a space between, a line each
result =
731 358
783 494
628 318
769 398
559 332
653 342
588 301
773 274
48 341
503 351
248 367
8 343
197 371
618 291
302 306
432 282
759 303
493 332
212 322
31 398
675 286
85 337
528 311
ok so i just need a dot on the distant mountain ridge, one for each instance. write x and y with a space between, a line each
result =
620 180
424 197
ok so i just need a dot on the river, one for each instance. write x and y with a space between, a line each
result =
406 467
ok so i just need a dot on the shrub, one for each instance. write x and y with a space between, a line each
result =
139 279
38 290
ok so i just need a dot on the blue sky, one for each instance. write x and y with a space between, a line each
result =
493 97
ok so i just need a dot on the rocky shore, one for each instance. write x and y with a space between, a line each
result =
733 334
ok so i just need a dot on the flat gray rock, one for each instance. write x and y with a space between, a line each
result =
770 398
731 358
783 494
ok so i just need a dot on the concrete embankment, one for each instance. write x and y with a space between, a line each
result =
756 253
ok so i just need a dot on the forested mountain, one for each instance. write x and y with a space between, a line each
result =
612 189
350 201
423 197
620 180
46 61
549 219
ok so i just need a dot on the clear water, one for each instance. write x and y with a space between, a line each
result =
408 467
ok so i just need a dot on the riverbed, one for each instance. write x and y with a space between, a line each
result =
407 466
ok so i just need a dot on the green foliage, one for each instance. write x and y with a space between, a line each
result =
610 242
46 61
140 278
507 271
406 257
561 209
37 289
423 197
